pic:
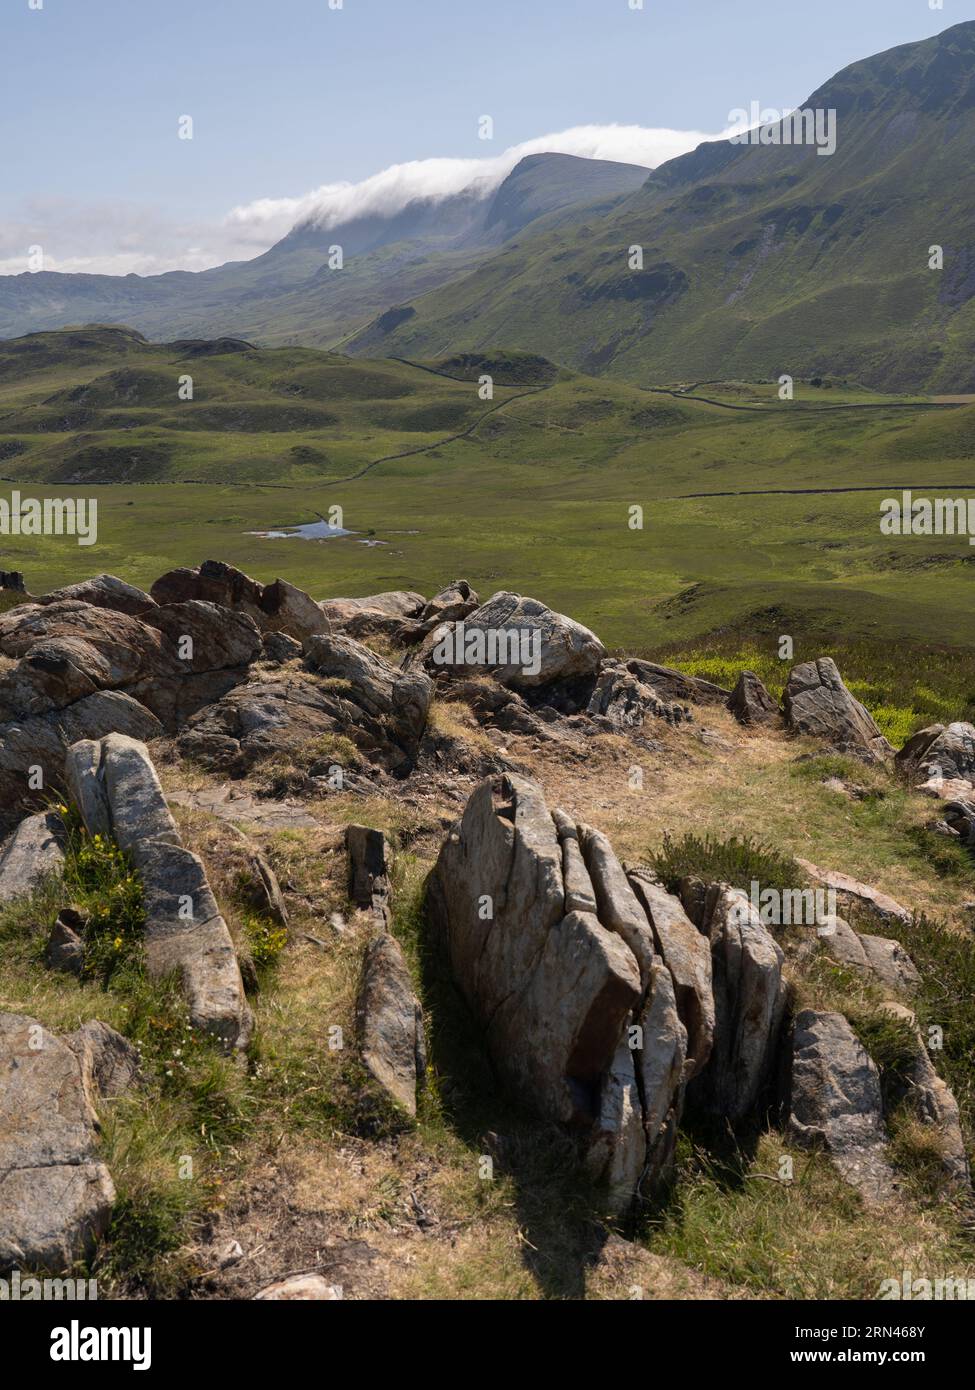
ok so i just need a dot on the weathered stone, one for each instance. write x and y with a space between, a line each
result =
400 699
933 1103
184 930
389 1023
624 701
751 703
944 753
33 854
617 1151
563 648
104 591
368 870
398 605
687 955
185 933
301 1288
279 647
841 943
890 963
675 685
554 990
835 1102
268 889
41 742
56 1195
277 607
65 948
616 902
881 903
580 896
449 606
116 1066
661 1063
817 703
749 1003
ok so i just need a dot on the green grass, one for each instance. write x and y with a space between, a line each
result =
738 861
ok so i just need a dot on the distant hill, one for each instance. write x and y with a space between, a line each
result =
758 259
289 293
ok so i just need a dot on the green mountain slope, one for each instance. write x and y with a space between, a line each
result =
291 294
758 260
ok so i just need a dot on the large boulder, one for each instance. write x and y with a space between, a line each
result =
104 591
117 791
677 686
519 640
397 604
172 660
750 996
277 607
389 1023
31 855
350 692
621 699
943 753
817 703
555 956
750 702
835 1102
35 748
56 1195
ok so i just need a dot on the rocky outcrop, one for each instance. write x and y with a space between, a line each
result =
116 788
104 591
389 1023
750 997
368 871
944 753
116 1066
56 1195
851 889
556 958
518 640
449 606
750 702
348 692
817 703
277 607
32 751
172 660
676 686
31 855
623 701
394 606
931 1100
835 1102
890 964
686 953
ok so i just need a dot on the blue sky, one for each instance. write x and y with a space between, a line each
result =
288 95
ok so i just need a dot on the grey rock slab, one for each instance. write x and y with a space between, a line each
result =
389 1022
31 855
686 952
835 1102
56 1195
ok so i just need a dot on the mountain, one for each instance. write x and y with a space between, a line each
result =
758 259
290 292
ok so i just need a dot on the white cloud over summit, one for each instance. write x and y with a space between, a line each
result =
120 238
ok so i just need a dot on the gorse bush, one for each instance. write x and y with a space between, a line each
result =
739 861
102 882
